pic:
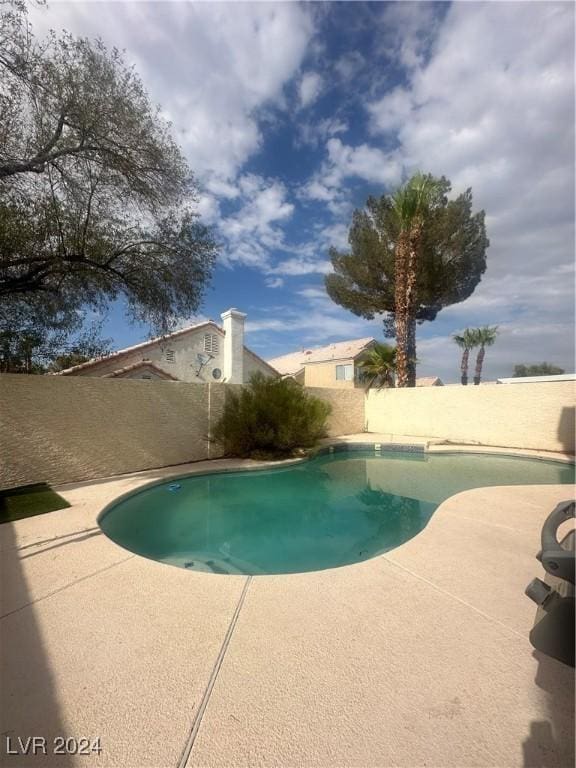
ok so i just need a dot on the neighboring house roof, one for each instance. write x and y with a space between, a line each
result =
429 381
142 345
119 354
342 350
146 365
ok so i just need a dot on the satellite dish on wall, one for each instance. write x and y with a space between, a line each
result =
202 359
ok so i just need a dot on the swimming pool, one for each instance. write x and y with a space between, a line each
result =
336 509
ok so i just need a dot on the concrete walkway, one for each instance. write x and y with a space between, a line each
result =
419 657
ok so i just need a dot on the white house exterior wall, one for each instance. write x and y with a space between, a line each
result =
186 348
185 366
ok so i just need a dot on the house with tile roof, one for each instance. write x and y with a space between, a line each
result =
333 365
204 352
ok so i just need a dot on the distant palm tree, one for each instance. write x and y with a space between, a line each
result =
379 366
411 205
485 337
466 341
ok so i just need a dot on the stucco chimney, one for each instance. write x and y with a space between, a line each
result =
233 323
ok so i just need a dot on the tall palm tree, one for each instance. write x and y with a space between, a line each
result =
485 337
410 204
379 366
466 341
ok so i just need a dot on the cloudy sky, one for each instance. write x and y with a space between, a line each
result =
292 114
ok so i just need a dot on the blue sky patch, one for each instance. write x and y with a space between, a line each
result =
292 114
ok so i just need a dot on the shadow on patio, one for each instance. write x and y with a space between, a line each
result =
551 742
28 698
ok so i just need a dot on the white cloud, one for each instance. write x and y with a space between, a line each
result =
317 190
212 66
253 231
208 208
493 108
349 162
309 88
318 321
390 112
274 282
345 162
362 161
349 65
312 293
515 295
417 23
318 131
301 265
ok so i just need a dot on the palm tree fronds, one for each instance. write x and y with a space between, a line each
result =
378 366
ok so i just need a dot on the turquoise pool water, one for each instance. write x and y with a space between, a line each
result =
331 511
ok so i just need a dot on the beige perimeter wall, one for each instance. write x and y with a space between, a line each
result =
539 415
62 429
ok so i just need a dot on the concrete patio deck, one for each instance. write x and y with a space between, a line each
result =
419 657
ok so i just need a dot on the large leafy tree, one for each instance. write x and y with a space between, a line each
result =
536 369
96 199
448 259
40 350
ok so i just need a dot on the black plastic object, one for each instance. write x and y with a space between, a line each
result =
553 630
556 560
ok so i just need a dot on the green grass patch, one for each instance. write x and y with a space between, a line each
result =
29 500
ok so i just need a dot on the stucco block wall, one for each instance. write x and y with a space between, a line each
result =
539 416
348 415
62 429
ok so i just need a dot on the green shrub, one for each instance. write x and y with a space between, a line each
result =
270 418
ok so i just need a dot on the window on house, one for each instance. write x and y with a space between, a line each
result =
345 372
211 343
170 356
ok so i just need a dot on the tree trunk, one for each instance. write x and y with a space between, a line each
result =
464 366
479 361
412 352
405 274
400 313
411 278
